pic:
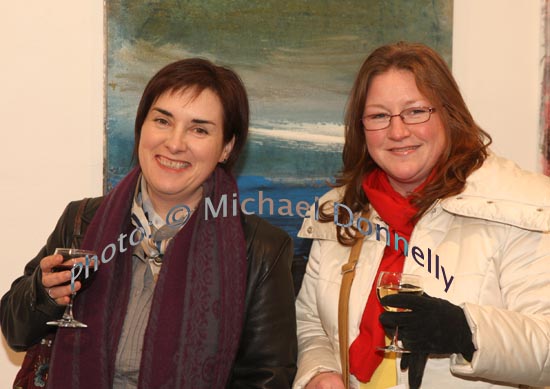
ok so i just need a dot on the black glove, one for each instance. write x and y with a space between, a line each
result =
433 326
415 362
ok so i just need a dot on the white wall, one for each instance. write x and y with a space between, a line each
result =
51 121
496 61
51 108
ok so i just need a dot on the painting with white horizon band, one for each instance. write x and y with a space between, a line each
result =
298 60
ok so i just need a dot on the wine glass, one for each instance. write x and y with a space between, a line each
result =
70 263
394 283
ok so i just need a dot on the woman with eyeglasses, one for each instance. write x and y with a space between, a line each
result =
424 194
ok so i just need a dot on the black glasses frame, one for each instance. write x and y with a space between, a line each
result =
403 118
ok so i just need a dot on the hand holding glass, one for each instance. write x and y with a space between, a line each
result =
70 263
394 283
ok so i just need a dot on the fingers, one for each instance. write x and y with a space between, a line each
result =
49 262
91 261
52 278
406 301
62 294
392 319
417 363
57 283
404 364
411 329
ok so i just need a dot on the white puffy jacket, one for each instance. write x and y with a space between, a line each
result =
486 250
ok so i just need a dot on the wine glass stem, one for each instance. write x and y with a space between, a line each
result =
394 340
68 314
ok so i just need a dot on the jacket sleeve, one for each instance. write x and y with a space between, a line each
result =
26 307
267 353
513 342
315 351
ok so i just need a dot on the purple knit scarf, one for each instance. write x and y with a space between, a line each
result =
196 318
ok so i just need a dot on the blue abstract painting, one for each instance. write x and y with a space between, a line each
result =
298 60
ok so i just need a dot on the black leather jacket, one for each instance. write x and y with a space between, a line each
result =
267 352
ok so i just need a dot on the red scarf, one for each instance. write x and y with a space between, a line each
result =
396 211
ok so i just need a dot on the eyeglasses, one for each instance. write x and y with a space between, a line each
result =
414 115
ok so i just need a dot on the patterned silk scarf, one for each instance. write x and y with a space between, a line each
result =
396 211
155 234
193 330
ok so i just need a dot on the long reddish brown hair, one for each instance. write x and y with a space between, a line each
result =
466 143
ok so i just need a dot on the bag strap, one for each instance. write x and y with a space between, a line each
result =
348 273
77 229
34 370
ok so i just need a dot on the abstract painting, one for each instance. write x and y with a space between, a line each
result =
298 60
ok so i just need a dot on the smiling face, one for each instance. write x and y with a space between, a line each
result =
406 152
180 145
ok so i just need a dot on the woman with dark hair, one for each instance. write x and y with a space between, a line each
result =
207 302
423 194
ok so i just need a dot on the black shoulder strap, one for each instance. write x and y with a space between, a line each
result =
77 230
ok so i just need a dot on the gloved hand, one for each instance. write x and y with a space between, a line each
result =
432 326
415 362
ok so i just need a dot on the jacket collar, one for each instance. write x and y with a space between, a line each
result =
501 191
498 191
314 229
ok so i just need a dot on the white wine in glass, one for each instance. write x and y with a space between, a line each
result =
397 283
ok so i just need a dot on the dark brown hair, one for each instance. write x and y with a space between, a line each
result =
466 143
200 74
